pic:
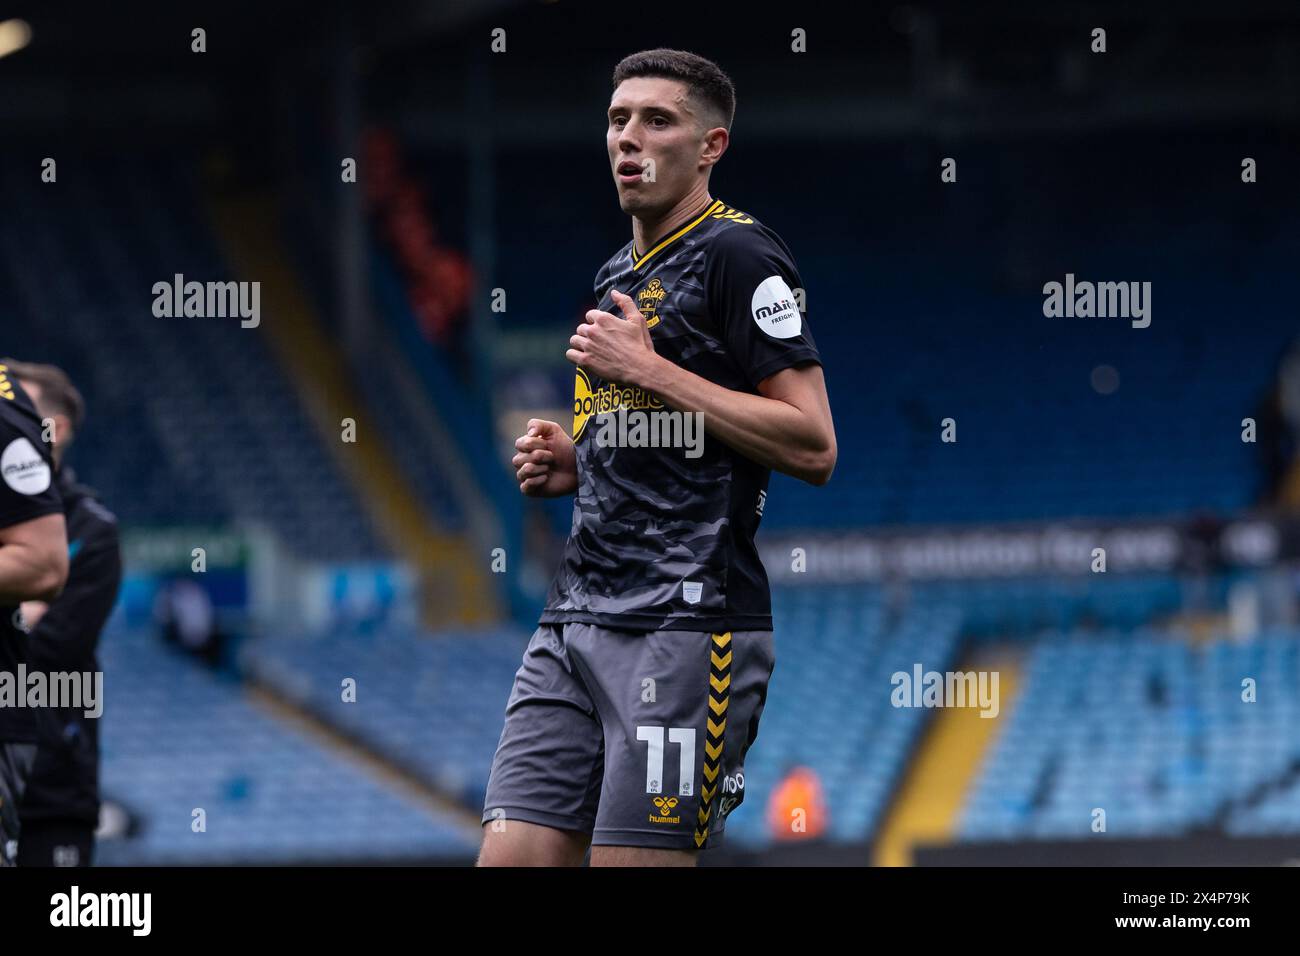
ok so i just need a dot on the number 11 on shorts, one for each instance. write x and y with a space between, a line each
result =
684 737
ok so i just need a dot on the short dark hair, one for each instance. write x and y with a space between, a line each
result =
705 81
58 394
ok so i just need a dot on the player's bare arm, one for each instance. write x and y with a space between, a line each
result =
33 560
787 427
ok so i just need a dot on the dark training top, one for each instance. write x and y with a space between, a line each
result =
64 782
27 491
663 537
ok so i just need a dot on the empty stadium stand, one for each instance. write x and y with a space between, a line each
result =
432 705
1156 732
177 738
191 420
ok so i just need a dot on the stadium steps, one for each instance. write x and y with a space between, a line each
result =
178 737
454 590
431 705
394 777
944 769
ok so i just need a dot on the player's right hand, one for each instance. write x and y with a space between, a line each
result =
545 462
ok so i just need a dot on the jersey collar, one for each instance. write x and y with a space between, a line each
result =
639 261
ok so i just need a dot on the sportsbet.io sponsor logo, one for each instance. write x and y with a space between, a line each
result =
608 398
630 417
774 309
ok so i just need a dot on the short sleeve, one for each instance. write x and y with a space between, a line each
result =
751 289
27 486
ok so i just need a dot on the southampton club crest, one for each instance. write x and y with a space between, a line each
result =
648 299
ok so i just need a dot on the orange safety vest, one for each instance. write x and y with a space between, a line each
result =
797 810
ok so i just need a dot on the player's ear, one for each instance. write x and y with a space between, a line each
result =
63 433
716 141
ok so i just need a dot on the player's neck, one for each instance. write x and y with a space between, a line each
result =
647 232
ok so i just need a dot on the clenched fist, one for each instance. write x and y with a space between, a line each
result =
544 461
617 350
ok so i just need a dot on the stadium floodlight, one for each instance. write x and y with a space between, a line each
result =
14 35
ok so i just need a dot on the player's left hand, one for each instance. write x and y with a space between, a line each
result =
617 350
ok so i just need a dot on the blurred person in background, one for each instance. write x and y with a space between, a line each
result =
1282 441
797 809
1289 391
186 617
33 566
60 808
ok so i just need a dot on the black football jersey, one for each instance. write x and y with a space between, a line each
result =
27 491
664 517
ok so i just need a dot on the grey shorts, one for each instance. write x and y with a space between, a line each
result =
637 738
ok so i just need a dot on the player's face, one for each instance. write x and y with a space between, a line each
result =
655 140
